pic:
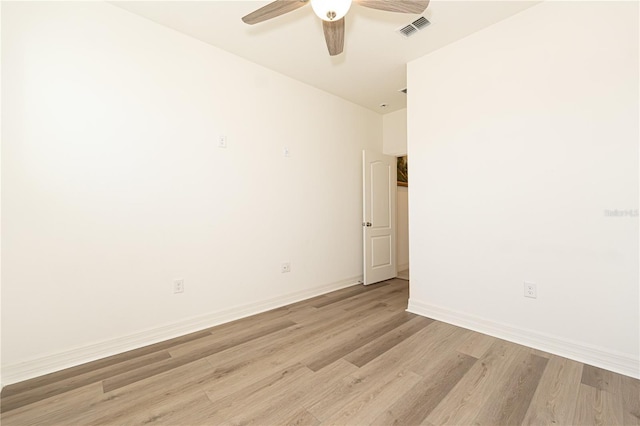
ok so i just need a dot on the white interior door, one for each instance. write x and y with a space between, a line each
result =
379 216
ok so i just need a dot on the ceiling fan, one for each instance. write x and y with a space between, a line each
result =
332 13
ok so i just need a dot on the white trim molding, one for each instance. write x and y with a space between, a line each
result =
600 357
74 357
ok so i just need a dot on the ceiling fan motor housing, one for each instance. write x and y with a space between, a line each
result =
331 10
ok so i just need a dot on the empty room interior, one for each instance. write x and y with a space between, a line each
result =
192 228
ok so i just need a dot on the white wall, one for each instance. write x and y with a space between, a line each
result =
113 185
394 133
520 137
1 380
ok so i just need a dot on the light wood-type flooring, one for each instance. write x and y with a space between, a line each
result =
351 357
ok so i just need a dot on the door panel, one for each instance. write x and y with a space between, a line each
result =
380 251
380 203
379 221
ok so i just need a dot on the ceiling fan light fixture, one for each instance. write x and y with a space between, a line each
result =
331 10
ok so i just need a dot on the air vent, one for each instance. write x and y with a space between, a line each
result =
420 23
408 31
414 27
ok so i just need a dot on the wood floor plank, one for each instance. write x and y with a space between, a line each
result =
616 384
476 345
415 405
333 398
298 342
370 402
382 296
303 393
159 367
601 379
350 342
473 391
170 406
65 374
242 364
55 410
630 401
380 345
510 401
289 401
301 418
227 337
243 406
433 340
191 405
339 296
540 353
385 295
597 407
32 395
437 350
346 297
208 376
325 403
555 398
165 389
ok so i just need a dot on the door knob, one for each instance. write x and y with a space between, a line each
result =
367 224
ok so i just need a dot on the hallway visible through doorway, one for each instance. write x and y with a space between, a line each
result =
402 220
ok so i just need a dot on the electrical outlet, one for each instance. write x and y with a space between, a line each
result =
222 141
285 267
530 290
178 286
286 152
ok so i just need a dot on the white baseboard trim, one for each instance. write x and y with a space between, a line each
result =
71 358
403 267
599 357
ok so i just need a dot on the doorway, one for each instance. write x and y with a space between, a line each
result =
402 219
385 218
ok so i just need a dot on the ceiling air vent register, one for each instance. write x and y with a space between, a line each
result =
413 28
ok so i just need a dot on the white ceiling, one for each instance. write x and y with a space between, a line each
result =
372 69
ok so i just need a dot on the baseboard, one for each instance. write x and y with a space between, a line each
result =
600 357
71 358
403 267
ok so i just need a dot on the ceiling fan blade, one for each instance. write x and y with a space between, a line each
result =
273 10
334 35
402 6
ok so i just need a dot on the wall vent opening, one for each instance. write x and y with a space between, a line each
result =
413 28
